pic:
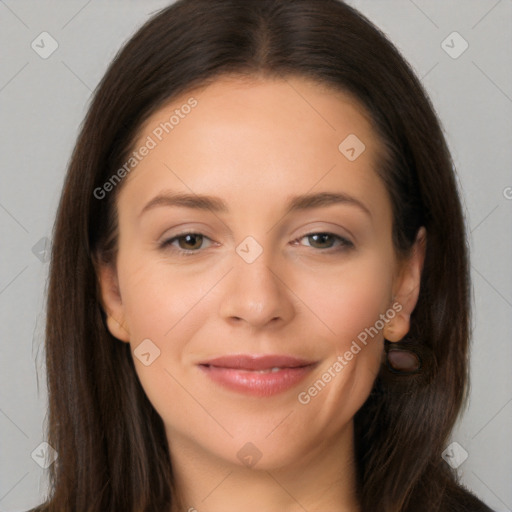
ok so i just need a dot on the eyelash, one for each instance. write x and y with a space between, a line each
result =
345 244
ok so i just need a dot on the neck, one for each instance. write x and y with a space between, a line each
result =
324 479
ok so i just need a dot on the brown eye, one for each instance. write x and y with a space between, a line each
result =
327 241
187 243
322 239
190 241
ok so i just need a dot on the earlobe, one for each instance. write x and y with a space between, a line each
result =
111 302
407 289
117 329
397 328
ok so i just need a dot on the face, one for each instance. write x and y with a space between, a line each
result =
290 257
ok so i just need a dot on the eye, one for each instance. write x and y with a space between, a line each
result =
188 243
327 241
191 243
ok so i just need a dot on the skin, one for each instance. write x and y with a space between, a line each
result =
255 144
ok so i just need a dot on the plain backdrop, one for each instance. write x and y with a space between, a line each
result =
43 101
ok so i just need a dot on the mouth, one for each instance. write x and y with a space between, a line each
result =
257 375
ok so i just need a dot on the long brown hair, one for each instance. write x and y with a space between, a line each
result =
113 452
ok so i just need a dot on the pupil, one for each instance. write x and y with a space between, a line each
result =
323 237
188 239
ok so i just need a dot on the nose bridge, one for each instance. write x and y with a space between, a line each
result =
256 292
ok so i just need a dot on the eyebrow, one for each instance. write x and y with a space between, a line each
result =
217 205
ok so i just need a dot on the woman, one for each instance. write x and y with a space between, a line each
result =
256 301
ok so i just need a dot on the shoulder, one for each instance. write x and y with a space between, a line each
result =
461 499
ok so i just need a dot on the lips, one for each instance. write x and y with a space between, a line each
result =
258 375
257 362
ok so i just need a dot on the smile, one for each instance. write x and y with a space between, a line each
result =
262 376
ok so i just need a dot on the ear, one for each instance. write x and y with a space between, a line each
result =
407 289
111 301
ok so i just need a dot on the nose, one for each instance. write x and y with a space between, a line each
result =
257 294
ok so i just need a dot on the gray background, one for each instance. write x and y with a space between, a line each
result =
43 101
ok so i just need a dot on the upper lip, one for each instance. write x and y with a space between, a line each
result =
257 362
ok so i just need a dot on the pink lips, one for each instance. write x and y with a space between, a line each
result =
258 375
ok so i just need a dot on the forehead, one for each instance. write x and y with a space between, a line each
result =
262 135
250 101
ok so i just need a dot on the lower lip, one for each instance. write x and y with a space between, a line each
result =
254 383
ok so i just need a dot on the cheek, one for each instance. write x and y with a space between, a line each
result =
349 299
351 305
164 306
158 299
